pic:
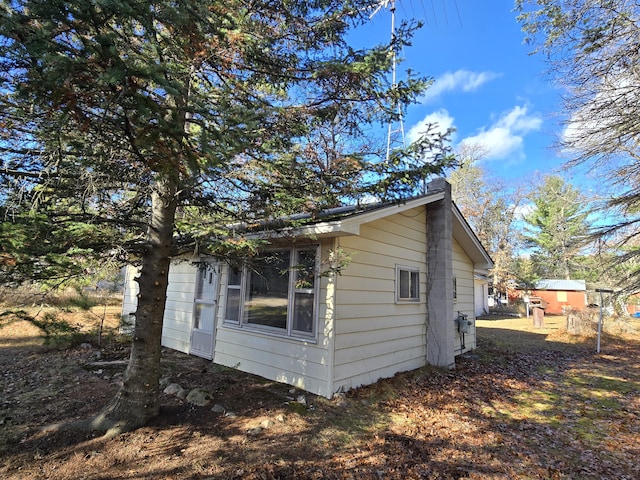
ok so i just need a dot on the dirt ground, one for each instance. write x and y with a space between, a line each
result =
528 403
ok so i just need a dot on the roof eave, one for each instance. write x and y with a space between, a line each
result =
349 225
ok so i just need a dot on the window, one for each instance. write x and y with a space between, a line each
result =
234 285
267 297
407 284
304 285
275 292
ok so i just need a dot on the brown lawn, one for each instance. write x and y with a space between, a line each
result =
528 403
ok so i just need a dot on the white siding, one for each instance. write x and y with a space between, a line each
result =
465 302
129 297
178 313
176 327
375 336
302 363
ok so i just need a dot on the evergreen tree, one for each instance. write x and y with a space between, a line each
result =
556 228
139 128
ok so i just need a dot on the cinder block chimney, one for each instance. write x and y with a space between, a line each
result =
440 315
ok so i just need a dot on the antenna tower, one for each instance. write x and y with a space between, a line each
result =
397 126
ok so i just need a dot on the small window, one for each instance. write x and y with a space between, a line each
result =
233 304
304 291
407 284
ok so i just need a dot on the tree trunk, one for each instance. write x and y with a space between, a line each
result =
137 401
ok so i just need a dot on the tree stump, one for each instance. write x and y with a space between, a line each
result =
538 317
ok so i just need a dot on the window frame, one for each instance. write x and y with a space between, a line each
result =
234 286
288 332
413 287
248 274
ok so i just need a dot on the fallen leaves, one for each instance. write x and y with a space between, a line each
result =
505 414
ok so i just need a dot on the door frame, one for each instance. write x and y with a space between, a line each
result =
202 342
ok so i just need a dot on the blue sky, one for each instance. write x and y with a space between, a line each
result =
487 86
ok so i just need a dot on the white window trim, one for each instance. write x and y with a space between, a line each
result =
234 286
405 268
287 333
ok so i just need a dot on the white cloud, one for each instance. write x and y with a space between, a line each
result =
463 80
440 119
523 210
505 138
595 126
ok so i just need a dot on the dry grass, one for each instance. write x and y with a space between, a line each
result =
64 321
519 334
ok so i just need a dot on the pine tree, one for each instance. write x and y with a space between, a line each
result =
556 228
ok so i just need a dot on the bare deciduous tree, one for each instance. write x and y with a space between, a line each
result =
592 50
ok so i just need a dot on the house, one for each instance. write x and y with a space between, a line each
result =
337 302
561 294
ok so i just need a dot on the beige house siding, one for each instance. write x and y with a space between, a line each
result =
302 363
375 336
465 301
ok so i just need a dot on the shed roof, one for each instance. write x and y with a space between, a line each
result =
559 284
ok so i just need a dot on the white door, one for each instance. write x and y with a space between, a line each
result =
204 310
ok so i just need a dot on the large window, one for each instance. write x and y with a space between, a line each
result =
407 284
275 292
267 296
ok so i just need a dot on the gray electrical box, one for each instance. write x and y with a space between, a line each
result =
463 323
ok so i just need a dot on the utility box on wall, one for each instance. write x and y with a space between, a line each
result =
463 323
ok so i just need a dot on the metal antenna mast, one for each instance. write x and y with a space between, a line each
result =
397 126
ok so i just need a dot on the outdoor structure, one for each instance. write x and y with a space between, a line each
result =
355 295
633 304
561 294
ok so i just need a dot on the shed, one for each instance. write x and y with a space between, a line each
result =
561 294
339 301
